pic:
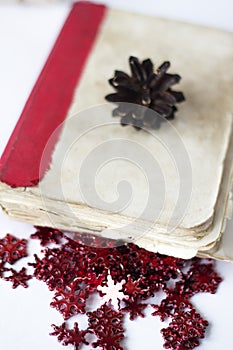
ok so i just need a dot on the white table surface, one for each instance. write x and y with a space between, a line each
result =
26 34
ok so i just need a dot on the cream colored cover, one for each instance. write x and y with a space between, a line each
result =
200 134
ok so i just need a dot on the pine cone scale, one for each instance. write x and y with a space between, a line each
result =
179 96
137 69
164 67
148 67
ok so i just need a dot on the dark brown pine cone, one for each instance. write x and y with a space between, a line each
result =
145 88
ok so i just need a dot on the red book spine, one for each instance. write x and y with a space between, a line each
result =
51 97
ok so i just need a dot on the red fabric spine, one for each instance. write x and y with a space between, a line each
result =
50 99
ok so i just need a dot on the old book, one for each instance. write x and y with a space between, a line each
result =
69 164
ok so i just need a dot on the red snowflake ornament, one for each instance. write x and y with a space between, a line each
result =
200 278
71 300
137 261
133 288
12 249
47 235
18 278
101 260
73 336
106 324
58 268
134 309
184 331
173 304
92 281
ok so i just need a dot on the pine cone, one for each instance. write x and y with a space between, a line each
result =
145 88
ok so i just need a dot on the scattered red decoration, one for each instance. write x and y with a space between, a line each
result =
106 324
125 274
71 300
18 278
184 331
132 288
12 249
57 268
73 336
96 241
172 305
134 309
92 281
46 235
200 278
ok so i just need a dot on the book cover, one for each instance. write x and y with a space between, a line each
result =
69 164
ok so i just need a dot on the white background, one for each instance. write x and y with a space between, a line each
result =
27 32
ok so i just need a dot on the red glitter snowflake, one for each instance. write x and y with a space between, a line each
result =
57 268
92 281
173 304
18 278
100 260
47 235
134 309
200 278
12 249
133 288
71 300
137 261
184 331
106 324
73 336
